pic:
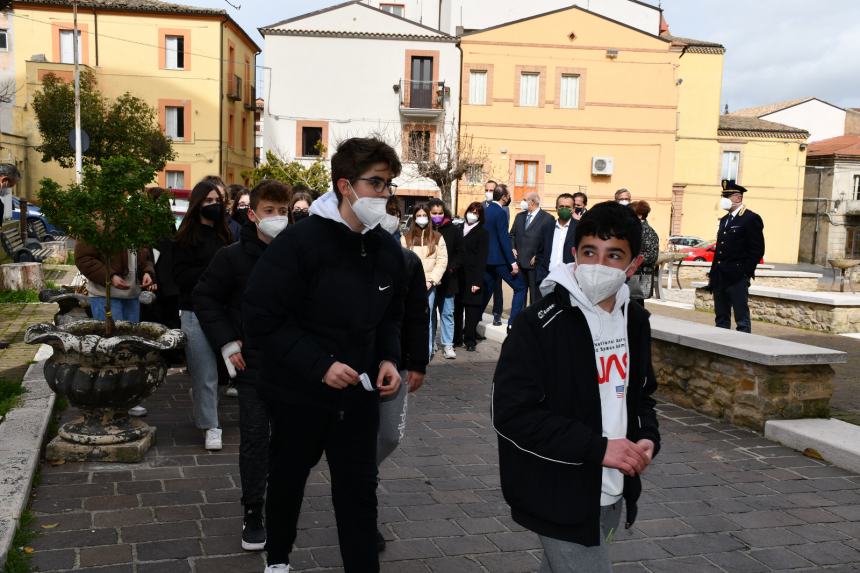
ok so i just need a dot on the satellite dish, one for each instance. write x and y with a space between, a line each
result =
85 140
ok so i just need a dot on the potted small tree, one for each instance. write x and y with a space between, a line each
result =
103 367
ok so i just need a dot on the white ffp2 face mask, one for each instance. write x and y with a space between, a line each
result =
369 210
390 223
272 226
471 218
725 204
422 221
624 202
524 205
488 195
599 282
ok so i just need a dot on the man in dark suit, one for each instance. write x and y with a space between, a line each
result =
556 245
500 260
739 248
498 295
526 235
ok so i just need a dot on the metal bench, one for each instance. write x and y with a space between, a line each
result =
41 232
15 246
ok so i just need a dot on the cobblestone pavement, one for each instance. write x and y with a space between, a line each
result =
14 319
716 499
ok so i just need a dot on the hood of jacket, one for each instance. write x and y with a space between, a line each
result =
327 208
251 243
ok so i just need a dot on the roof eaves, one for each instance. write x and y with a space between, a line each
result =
152 6
358 35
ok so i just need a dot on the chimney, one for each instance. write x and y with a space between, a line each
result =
664 25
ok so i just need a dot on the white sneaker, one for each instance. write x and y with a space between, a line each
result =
137 411
231 391
449 353
213 439
277 568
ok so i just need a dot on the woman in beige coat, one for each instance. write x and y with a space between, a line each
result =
429 245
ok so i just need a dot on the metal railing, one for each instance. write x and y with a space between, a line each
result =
419 94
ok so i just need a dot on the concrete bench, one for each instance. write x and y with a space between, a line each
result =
746 379
825 311
765 275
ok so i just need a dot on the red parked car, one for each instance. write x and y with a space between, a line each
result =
703 252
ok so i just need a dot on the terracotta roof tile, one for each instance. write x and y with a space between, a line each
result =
737 124
130 5
761 110
842 145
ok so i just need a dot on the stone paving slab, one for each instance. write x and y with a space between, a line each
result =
717 498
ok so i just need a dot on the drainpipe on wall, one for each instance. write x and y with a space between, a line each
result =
96 37
221 168
455 195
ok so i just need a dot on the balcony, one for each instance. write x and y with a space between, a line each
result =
37 70
422 99
852 207
235 92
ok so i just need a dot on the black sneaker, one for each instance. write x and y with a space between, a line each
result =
380 542
497 321
253 532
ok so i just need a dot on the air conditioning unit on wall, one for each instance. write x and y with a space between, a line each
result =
601 165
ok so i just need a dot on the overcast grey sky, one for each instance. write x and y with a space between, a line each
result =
776 49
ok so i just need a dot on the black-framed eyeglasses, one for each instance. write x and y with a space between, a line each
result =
378 184
305 211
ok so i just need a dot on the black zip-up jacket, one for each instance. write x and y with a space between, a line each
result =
218 296
415 334
321 294
190 260
739 248
453 235
547 414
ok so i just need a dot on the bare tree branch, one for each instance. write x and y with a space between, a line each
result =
7 90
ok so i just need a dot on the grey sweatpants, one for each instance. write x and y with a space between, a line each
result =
202 366
567 557
392 421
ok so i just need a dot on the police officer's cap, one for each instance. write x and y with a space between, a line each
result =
730 187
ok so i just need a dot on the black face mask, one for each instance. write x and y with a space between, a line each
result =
241 216
579 210
212 212
299 215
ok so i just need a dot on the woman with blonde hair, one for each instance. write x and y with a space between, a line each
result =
430 247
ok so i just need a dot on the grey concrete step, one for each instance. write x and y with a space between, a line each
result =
836 441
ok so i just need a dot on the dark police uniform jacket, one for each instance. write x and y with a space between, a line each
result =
739 248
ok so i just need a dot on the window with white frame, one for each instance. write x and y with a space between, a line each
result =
478 87
475 174
569 93
731 163
4 40
396 9
856 193
174 48
175 179
67 47
174 122
529 89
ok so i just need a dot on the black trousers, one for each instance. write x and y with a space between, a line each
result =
734 297
530 276
300 435
470 328
253 444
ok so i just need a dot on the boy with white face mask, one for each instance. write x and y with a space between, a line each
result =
217 302
324 307
576 422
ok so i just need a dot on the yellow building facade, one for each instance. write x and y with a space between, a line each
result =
604 115
195 67
767 158
572 101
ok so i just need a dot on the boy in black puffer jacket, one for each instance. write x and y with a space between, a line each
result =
217 302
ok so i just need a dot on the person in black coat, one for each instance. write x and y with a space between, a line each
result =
527 233
475 247
739 249
556 245
446 292
203 231
324 306
218 305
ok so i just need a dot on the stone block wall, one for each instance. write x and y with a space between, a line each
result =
698 274
794 313
742 393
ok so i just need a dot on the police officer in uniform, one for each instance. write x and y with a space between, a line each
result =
739 248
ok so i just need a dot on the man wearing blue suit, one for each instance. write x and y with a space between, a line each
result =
500 260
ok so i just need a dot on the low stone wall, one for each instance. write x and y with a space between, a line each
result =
794 313
741 392
698 272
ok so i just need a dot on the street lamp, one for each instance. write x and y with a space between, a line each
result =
75 47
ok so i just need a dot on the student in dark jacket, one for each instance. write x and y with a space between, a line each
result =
324 306
443 222
576 421
475 247
203 231
218 306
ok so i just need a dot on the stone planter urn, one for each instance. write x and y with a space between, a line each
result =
103 378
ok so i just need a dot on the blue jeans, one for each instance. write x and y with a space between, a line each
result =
445 306
121 308
431 300
203 368
516 282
